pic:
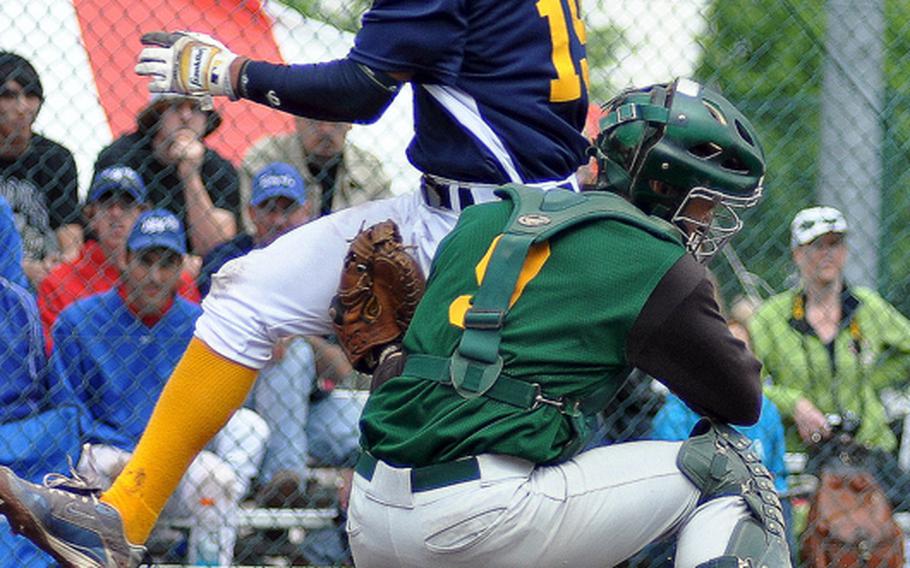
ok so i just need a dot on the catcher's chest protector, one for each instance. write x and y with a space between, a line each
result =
476 365
850 524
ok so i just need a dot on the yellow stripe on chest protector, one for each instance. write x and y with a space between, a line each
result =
537 257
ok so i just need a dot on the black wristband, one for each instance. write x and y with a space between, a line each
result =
243 80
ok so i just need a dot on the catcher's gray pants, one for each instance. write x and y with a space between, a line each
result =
594 510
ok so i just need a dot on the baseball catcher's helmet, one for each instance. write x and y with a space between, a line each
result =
669 143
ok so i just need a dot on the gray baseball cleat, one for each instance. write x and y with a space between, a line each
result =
64 518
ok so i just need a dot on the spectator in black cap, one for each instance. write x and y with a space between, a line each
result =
37 175
182 174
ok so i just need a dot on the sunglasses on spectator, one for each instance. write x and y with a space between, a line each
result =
824 242
166 259
124 200
281 205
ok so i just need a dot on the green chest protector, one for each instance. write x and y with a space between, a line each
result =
475 368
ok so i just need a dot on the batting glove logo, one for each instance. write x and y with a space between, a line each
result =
196 81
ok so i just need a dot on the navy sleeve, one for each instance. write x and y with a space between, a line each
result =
340 90
426 37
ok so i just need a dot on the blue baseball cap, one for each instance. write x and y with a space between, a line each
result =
157 228
122 179
278 179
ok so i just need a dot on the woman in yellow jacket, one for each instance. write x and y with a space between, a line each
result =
829 347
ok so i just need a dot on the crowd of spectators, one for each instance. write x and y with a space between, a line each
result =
100 299
337 174
114 202
181 173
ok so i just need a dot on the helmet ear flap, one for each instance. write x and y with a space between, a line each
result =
633 122
615 176
610 173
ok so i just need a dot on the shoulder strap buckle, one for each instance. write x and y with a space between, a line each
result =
631 112
627 112
476 318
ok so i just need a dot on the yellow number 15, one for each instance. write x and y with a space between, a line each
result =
567 84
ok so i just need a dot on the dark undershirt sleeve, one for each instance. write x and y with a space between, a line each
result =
681 339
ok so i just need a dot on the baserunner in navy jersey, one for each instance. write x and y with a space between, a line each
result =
499 87
500 95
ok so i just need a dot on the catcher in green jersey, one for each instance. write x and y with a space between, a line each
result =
535 309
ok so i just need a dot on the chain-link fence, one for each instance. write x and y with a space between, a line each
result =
823 83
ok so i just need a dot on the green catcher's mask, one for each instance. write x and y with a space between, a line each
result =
665 145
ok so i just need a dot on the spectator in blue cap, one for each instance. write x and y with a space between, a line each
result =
154 256
278 203
115 351
115 200
157 228
117 180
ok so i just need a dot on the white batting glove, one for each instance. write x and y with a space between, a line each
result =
186 63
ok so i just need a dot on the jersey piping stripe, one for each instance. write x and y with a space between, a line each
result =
35 334
463 108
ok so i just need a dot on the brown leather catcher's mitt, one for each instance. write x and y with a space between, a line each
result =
380 287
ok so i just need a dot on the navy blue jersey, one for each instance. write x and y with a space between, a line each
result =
500 89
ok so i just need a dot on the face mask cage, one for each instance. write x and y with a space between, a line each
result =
705 237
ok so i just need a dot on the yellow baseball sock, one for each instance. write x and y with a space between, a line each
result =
199 398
